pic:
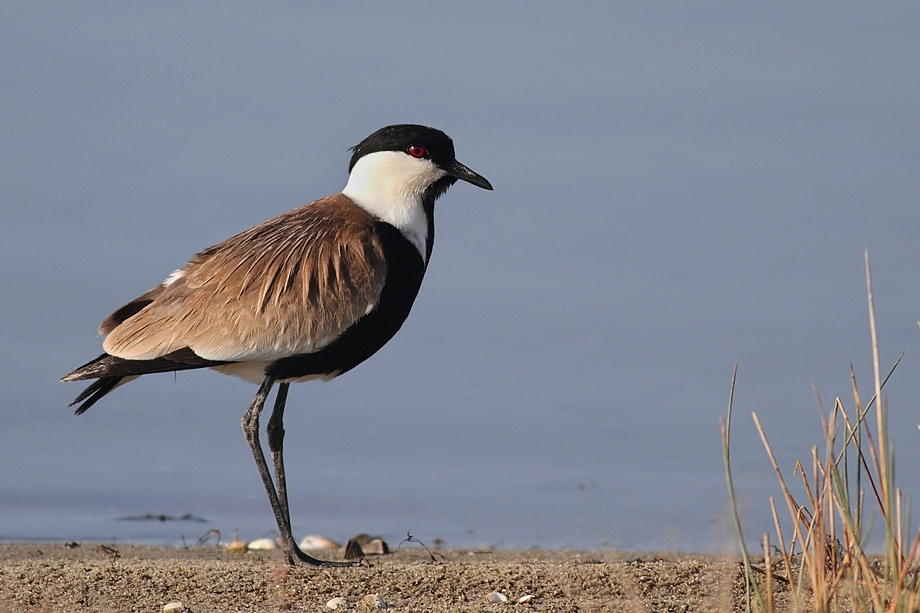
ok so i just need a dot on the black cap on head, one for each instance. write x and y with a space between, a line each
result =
424 142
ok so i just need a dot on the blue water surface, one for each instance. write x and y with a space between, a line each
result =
677 189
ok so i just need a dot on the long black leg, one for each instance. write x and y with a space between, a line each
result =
277 497
250 425
275 432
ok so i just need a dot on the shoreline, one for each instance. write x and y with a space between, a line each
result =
52 577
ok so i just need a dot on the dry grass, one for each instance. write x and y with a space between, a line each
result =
821 563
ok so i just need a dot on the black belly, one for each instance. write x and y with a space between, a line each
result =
405 270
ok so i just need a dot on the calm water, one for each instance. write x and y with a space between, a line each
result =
674 192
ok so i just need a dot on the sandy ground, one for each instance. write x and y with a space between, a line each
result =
50 578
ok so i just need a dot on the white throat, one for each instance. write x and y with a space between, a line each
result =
389 185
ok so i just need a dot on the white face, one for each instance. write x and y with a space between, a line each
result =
389 185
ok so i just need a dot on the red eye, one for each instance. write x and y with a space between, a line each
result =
417 151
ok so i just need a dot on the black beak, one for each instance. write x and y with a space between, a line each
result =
459 171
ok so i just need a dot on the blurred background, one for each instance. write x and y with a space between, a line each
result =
677 188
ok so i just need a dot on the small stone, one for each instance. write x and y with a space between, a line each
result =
176 606
237 547
315 541
497 597
338 604
262 545
363 538
525 599
353 550
373 601
376 547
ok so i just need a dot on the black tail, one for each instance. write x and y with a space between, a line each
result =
93 393
110 372
94 369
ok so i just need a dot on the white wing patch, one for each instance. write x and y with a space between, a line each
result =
173 277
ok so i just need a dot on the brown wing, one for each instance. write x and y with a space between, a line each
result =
132 308
287 286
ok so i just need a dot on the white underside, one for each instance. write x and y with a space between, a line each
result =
269 351
254 372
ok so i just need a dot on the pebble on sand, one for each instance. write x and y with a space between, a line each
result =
316 541
237 546
497 597
338 604
176 606
264 544
377 547
359 546
525 599
372 602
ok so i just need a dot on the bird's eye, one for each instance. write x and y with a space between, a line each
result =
417 151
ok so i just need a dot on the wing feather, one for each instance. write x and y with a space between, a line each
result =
288 286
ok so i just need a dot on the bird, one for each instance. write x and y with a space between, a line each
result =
307 295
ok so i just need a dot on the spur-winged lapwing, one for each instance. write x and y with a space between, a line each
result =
307 295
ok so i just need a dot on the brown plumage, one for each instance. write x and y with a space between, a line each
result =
286 286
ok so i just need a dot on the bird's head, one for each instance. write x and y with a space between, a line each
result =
405 162
399 171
